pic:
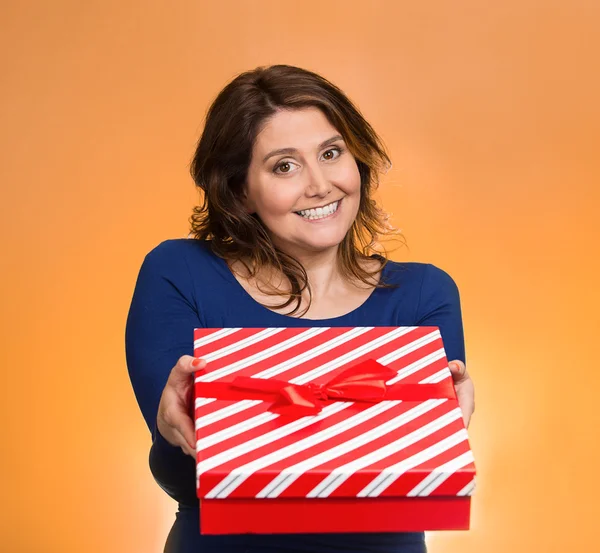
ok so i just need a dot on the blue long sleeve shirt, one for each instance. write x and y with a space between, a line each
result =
182 285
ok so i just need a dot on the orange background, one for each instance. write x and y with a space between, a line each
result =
492 118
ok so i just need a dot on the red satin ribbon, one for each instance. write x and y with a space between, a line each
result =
364 382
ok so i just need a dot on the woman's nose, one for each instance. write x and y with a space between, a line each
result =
318 184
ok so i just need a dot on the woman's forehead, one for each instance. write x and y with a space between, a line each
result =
301 129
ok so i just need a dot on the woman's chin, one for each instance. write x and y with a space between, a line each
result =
318 244
317 241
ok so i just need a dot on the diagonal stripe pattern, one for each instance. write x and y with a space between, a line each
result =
349 449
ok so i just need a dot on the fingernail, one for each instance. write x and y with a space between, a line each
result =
195 362
453 366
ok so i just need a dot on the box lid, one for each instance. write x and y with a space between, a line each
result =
323 421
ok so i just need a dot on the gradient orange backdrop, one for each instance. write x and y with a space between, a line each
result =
492 119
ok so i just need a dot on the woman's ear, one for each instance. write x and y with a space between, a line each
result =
246 202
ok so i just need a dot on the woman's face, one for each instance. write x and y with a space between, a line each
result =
308 195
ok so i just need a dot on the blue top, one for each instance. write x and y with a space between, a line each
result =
182 285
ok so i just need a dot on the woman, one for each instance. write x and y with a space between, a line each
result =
285 237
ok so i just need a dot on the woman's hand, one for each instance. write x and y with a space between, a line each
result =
176 408
465 391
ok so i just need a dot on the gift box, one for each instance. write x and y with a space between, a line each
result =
329 430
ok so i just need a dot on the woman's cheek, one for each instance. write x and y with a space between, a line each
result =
285 198
277 203
352 176
346 177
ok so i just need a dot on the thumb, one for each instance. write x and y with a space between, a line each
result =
186 366
196 364
457 368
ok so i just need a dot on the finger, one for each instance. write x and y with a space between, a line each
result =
184 445
466 401
186 366
458 369
187 429
181 422
466 412
177 417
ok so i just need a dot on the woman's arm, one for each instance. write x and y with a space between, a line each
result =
159 330
439 305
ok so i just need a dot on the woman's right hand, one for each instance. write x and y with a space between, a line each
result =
175 419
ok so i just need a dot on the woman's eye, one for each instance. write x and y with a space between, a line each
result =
332 150
286 166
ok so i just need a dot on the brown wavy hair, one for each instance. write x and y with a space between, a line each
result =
222 158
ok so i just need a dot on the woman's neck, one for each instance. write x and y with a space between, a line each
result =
322 269
332 293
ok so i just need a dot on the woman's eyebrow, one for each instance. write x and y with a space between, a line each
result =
293 150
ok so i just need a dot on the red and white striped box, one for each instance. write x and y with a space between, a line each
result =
353 430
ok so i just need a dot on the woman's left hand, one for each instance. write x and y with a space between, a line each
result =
465 391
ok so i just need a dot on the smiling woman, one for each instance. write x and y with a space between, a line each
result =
285 237
280 144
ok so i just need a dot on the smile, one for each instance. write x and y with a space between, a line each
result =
319 212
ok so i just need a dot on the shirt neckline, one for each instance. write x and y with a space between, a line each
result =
370 298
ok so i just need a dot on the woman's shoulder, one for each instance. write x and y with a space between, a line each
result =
179 246
426 276
180 250
182 255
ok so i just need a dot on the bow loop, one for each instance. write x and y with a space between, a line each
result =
363 382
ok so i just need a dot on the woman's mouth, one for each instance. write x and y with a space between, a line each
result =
318 213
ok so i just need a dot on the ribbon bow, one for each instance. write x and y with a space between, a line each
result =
364 382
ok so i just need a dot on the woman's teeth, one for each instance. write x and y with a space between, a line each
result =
319 212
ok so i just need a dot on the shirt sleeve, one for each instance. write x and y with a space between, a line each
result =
439 305
159 330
